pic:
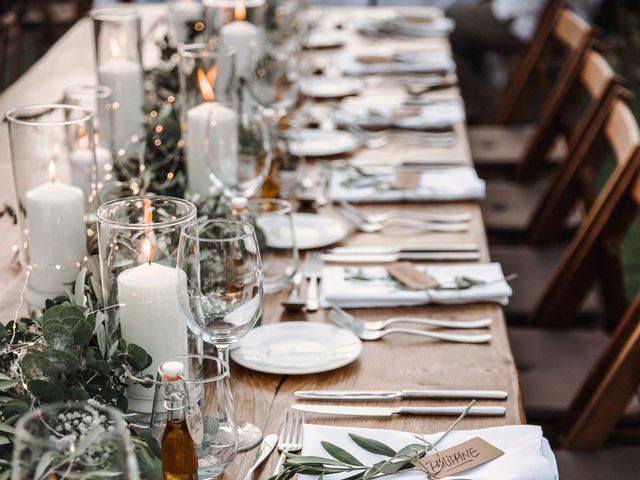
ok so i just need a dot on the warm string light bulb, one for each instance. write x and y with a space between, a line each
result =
240 11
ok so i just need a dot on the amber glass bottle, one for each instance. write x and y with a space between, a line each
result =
179 456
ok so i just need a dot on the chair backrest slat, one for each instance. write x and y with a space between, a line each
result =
622 132
596 74
555 21
570 29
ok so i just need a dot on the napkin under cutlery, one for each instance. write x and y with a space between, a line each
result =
437 27
440 184
527 454
400 62
371 286
436 115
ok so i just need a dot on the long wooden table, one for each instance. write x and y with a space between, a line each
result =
396 362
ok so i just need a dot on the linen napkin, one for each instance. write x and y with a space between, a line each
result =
404 62
437 115
436 184
528 455
355 287
437 27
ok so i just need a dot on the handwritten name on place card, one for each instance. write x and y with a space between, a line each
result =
459 458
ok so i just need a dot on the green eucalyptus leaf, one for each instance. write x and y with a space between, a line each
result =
45 391
63 361
357 476
137 357
77 394
81 328
78 290
43 465
14 408
58 336
4 441
300 459
340 454
154 446
8 384
37 366
373 446
7 428
101 366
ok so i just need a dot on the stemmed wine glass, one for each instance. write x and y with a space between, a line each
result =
243 175
73 440
221 296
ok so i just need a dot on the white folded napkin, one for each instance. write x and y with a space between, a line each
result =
437 115
438 27
346 286
528 455
437 184
407 62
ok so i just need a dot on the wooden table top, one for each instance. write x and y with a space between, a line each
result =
396 362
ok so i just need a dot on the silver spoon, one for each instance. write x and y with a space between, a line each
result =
295 303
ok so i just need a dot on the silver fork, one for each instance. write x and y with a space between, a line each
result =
427 217
372 227
313 270
432 322
384 137
290 440
378 334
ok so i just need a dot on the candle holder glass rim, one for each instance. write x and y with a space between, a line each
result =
115 13
12 115
112 414
224 368
249 231
233 3
283 207
88 91
204 50
103 217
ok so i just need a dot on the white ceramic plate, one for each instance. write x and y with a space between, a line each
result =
297 348
319 143
331 87
311 231
325 39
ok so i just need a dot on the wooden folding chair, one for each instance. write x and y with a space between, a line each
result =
554 362
515 210
600 404
612 131
503 147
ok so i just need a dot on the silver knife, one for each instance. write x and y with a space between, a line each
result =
390 411
394 257
373 250
403 394
266 447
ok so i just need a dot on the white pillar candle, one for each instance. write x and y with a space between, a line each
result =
82 163
150 317
248 41
182 13
212 137
125 79
57 238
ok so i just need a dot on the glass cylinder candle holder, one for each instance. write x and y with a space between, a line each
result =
99 100
117 42
208 114
46 141
186 19
239 23
138 239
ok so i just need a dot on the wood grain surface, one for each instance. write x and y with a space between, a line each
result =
395 362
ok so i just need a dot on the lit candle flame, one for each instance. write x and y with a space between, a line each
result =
240 11
147 211
52 171
205 82
114 46
148 249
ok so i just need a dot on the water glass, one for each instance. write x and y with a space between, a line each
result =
275 233
74 440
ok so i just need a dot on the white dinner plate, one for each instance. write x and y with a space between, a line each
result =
325 39
311 231
310 142
331 87
297 348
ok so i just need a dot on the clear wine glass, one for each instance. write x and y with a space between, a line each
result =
222 291
74 441
242 172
